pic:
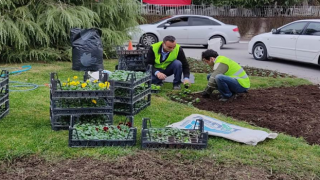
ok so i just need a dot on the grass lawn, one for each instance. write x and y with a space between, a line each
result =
27 131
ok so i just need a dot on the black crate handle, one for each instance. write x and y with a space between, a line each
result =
4 73
201 124
145 123
133 77
131 129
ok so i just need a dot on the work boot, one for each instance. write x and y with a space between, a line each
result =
176 87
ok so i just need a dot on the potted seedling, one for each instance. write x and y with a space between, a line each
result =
187 85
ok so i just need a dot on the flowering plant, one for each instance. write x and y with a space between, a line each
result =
103 132
74 84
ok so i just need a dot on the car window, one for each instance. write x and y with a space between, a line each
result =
313 29
176 22
295 28
198 21
182 21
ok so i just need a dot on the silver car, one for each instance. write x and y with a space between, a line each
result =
188 30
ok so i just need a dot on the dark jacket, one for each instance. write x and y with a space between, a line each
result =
181 57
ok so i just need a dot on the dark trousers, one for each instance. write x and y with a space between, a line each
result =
174 68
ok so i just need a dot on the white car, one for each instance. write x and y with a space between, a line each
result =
297 41
187 29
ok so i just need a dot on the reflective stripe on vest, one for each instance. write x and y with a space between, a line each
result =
173 55
234 71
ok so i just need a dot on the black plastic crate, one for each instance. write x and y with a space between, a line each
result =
147 143
78 103
131 81
63 122
56 91
75 141
4 79
4 108
130 96
132 109
131 52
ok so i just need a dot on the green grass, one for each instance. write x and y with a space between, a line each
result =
26 130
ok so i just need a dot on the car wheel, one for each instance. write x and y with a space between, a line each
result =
259 52
148 39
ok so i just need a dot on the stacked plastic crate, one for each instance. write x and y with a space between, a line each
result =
88 104
132 60
132 91
4 93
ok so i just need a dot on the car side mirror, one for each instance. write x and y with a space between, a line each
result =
166 25
275 31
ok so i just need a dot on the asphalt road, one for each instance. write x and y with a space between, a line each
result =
239 53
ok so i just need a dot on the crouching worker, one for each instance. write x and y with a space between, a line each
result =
228 77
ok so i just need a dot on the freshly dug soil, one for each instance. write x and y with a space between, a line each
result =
144 165
291 110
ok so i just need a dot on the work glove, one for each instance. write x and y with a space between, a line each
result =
205 94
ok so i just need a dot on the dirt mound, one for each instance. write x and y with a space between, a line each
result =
144 165
291 110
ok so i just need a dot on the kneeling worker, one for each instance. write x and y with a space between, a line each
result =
167 58
228 77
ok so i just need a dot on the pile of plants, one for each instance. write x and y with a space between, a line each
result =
173 135
197 66
88 85
184 96
251 71
122 75
102 132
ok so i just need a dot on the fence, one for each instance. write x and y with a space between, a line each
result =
267 11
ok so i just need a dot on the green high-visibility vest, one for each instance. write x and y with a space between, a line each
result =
173 55
235 71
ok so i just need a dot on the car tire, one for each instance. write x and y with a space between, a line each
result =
148 39
222 41
259 52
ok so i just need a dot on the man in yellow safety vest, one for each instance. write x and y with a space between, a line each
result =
228 77
167 58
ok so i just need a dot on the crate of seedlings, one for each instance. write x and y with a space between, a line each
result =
62 122
73 88
130 79
73 97
132 91
4 93
132 109
97 134
132 60
173 138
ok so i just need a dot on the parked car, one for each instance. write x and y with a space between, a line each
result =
187 29
298 41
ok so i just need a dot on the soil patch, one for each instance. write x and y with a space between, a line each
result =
144 165
291 110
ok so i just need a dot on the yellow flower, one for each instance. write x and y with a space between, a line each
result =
75 77
64 84
95 81
88 81
107 84
73 83
83 85
94 101
77 83
101 85
68 79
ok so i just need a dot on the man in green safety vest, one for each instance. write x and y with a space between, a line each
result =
228 77
167 58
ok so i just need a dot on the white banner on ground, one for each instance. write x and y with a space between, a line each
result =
215 127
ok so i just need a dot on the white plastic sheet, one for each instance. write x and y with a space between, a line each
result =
215 127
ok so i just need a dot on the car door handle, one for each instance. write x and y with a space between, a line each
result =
293 38
184 29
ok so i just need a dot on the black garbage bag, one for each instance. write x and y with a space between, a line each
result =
87 49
